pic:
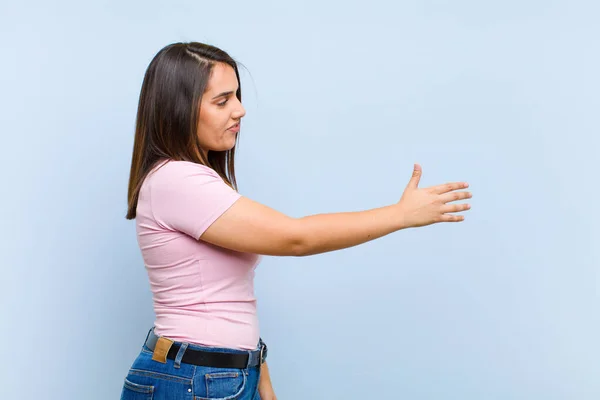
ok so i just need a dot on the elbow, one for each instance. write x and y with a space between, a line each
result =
299 248
300 245
298 251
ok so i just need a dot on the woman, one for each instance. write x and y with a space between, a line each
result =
201 240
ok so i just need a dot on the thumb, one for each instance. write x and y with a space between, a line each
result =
416 177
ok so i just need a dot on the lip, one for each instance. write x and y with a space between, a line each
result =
234 128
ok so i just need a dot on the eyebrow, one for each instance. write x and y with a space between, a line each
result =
223 94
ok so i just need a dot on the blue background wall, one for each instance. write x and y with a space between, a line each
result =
342 98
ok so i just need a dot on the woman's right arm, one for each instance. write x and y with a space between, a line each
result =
248 226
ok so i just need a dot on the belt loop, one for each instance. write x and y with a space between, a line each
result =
179 356
148 335
250 359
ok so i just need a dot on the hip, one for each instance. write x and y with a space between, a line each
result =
156 376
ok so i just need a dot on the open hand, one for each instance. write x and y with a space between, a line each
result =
420 207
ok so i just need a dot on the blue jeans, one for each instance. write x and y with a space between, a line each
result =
152 380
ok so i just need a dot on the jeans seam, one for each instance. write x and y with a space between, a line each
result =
160 375
193 380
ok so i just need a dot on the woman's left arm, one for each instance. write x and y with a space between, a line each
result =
265 387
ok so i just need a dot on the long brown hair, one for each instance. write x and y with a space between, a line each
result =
168 110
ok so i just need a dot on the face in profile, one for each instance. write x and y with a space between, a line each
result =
220 110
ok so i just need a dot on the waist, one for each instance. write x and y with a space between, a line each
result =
225 330
165 348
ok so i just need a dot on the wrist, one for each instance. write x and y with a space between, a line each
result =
400 217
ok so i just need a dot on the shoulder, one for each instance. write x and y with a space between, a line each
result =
171 172
186 197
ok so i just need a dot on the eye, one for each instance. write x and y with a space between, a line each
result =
221 104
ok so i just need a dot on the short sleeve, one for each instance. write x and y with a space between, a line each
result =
189 197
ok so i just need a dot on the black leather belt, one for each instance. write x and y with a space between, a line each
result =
251 358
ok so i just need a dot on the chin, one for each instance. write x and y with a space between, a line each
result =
233 142
225 144
227 148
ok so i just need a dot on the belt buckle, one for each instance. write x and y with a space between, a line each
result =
262 349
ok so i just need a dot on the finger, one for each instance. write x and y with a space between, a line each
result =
455 196
451 208
416 177
452 218
449 187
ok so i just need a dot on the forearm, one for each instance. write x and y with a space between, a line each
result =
328 232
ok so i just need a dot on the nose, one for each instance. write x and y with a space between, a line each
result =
239 112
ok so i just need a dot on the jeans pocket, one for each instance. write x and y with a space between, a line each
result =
223 384
135 391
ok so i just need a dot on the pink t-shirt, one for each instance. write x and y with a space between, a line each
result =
202 293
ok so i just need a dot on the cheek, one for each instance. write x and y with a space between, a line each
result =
216 119
206 121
